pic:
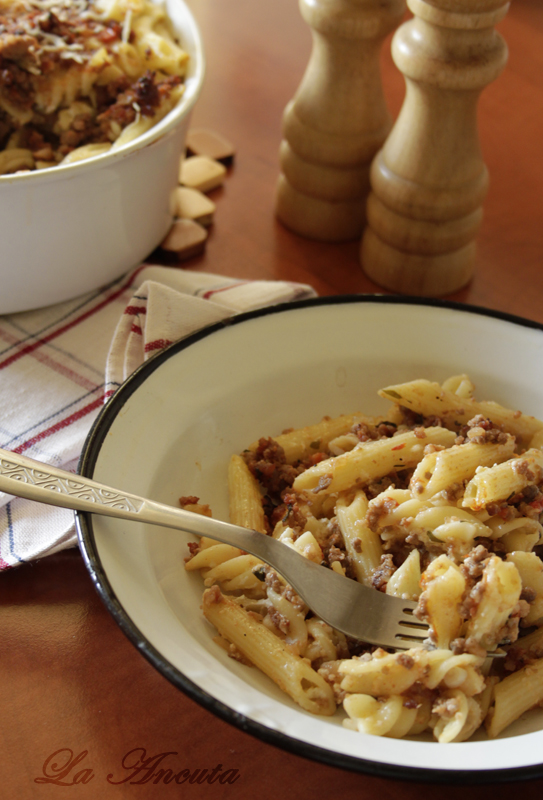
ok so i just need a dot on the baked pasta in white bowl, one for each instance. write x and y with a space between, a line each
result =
95 99
391 450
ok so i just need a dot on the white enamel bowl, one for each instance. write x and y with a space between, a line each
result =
71 229
170 431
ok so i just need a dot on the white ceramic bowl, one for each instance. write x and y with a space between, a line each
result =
71 229
170 431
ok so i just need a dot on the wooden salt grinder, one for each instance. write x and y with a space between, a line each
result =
429 180
337 120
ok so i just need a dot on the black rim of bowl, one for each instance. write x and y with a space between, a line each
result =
85 533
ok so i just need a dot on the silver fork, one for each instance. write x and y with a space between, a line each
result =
350 607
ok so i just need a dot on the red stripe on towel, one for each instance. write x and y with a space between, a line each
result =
135 310
29 348
158 344
211 292
63 423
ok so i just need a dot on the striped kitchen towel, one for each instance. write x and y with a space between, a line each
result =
58 365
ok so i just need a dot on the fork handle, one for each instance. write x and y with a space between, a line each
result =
25 477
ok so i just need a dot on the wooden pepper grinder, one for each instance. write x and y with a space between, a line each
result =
337 121
429 180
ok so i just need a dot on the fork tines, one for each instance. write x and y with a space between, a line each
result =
410 628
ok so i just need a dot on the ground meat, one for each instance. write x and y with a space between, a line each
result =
144 97
16 47
417 694
469 645
194 549
386 429
50 23
405 660
531 493
290 595
268 465
506 511
189 500
412 420
16 85
471 600
145 92
107 94
522 467
378 510
519 655
528 594
333 549
311 460
288 512
383 573
531 510
335 554
281 622
480 430
446 707
272 580
82 130
432 421
193 504
66 22
375 488
474 564
364 432
330 672
367 433
508 633
453 492
335 537
421 611
213 595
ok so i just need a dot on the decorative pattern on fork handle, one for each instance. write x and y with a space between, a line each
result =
67 486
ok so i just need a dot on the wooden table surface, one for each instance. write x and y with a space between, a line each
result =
69 679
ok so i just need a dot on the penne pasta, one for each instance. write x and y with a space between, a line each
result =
500 590
448 514
245 498
362 544
530 569
429 398
211 557
305 442
371 460
446 468
405 582
269 653
443 587
491 484
515 695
